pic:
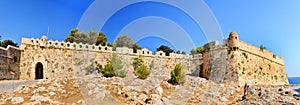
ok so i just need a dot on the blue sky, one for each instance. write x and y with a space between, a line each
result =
273 23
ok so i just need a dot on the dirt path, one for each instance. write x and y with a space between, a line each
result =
11 85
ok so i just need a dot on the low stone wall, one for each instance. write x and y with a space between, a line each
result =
9 63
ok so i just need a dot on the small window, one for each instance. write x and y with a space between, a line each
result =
235 37
105 48
31 41
62 44
148 52
143 52
160 54
93 47
74 46
86 46
99 48
80 46
37 41
68 45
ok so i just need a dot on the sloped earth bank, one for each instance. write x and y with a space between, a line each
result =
96 90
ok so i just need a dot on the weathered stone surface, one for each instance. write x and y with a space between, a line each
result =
17 100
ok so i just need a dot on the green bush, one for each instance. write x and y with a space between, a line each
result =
107 71
114 67
142 72
177 75
137 62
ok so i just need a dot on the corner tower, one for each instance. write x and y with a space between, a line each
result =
233 41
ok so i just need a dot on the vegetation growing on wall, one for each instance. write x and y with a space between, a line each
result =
114 67
78 61
89 69
107 71
137 62
177 75
245 55
142 72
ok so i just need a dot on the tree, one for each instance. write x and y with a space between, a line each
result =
165 49
101 39
93 37
124 41
81 37
178 52
109 44
5 43
70 39
198 50
77 37
183 52
136 47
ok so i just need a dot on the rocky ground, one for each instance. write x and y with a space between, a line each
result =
97 90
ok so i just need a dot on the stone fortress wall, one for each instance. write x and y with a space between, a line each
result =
62 58
234 60
9 62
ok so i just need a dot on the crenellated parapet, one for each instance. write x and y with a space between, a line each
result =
145 52
234 44
50 44
65 45
260 52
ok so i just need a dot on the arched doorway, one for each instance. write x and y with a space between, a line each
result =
39 72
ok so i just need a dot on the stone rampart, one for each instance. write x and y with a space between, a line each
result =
9 62
263 53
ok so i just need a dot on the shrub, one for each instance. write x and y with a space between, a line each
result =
118 65
89 69
114 67
107 71
137 62
177 75
142 72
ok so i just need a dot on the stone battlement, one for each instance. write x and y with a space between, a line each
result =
96 48
263 53
234 60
